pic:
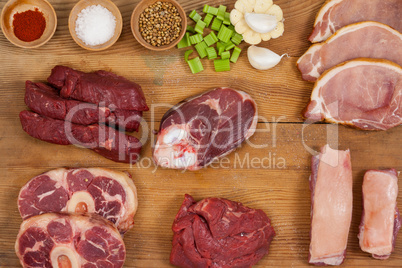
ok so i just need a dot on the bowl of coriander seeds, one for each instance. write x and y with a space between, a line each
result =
158 24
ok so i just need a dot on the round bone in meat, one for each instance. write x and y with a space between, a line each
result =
71 241
362 93
108 193
208 126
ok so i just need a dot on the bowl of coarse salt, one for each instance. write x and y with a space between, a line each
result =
95 24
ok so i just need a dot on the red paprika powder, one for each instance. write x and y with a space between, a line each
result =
29 25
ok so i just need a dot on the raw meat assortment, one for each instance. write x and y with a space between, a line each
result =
106 141
100 87
200 129
107 193
335 14
359 40
362 93
331 206
380 220
62 240
216 232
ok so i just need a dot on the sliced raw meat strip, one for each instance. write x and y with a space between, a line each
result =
363 93
62 240
198 130
335 14
106 141
100 87
364 39
108 193
217 232
125 119
331 206
380 220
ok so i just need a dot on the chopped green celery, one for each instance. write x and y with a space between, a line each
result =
195 16
196 38
210 39
200 47
224 34
221 49
218 45
184 42
222 65
235 54
208 18
190 29
210 10
205 9
221 12
225 55
237 38
195 65
200 26
216 24
231 27
229 46
186 54
211 52
226 19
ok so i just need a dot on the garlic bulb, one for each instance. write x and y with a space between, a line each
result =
261 23
262 58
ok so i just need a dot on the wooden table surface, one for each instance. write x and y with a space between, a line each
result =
269 173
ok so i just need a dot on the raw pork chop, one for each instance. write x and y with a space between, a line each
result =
380 220
335 14
198 130
331 206
61 240
101 87
363 39
106 141
363 93
216 232
107 193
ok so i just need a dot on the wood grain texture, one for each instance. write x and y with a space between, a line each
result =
278 185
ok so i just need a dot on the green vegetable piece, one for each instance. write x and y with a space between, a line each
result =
210 39
224 34
190 29
206 8
195 65
186 54
235 54
237 38
195 39
225 55
199 27
184 42
222 65
211 52
216 24
226 19
210 10
208 18
200 47
221 12
229 46
195 16
221 49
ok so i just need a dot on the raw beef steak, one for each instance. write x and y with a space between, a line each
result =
335 14
100 87
331 206
106 141
363 93
108 193
381 221
198 130
62 240
217 232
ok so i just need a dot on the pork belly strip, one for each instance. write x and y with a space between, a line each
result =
362 93
331 206
360 40
380 221
335 14
100 87
106 141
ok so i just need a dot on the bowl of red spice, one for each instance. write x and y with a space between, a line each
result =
28 23
158 24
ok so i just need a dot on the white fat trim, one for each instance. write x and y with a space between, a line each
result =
324 10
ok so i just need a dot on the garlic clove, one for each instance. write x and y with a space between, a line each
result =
252 37
261 6
276 11
262 58
235 16
278 30
260 23
241 26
